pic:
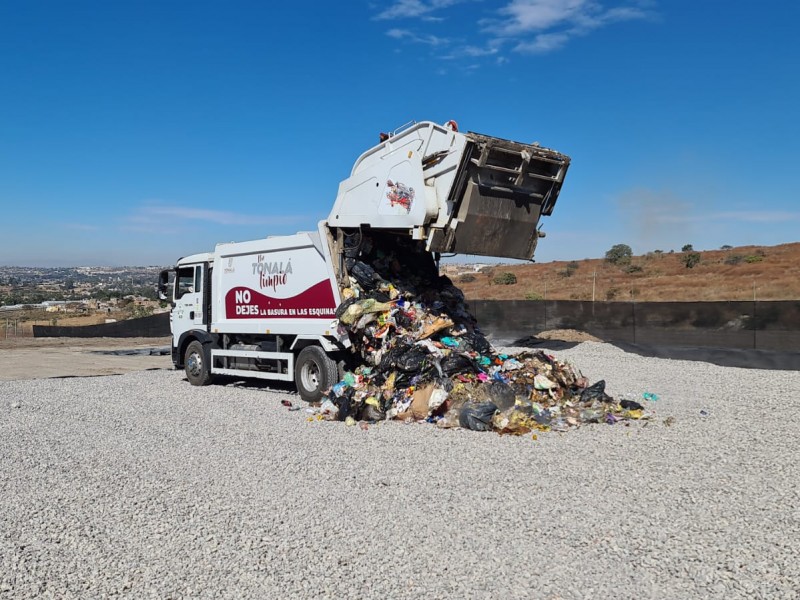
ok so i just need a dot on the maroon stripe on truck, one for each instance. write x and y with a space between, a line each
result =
316 302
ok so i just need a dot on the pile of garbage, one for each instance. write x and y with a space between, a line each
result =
419 355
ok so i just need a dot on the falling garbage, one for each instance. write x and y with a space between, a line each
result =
419 355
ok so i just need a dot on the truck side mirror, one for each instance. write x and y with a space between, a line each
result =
163 284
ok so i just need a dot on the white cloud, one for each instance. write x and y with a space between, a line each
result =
154 217
524 26
404 9
553 23
543 43
405 34
524 16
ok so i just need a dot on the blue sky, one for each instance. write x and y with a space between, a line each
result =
132 133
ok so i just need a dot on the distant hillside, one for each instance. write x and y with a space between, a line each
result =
731 274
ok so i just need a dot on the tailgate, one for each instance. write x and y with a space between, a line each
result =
500 191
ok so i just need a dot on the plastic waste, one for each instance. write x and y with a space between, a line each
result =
630 405
511 421
500 394
457 363
329 410
365 275
477 417
596 392
450 419
650 397
541 382
412 360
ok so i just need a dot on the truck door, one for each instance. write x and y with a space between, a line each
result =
189 312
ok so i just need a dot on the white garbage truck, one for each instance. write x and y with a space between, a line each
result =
266 308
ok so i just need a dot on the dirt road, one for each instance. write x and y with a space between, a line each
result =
37 358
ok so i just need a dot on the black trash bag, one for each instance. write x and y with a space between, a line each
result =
352 248
445 383
389 358
477 417
342 308
596 392
378 296
457 363
478 342
631 405
365 275
345 403
371 413
412 361
501 394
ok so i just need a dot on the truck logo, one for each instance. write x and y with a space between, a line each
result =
271 274
400 195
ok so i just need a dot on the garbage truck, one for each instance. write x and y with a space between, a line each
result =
266 308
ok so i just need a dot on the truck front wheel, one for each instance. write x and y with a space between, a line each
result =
196 365
314 373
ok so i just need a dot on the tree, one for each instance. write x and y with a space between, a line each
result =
726 247
619 254
505 278
687 248
691 259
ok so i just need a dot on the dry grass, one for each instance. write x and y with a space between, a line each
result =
774 272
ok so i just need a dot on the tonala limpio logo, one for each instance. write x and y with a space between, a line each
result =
271 274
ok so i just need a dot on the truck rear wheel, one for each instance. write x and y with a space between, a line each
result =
314 373
196 365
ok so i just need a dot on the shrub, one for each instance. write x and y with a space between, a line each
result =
468 278
505 278
726 247
687 248
533 296
753 258
734 259
633 269
691 260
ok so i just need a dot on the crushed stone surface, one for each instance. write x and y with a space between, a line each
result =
142 485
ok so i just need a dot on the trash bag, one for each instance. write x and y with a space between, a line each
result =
378 296
342 308
596 392
345 404
365 275
478 342
371 411
477 417
413 360
458 363
631 405
501 394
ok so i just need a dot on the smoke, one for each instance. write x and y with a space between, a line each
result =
657 219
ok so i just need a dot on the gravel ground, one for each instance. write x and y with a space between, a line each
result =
141 485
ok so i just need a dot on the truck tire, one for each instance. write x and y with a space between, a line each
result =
314 373
195 364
